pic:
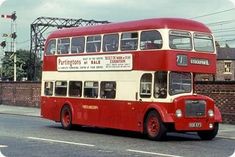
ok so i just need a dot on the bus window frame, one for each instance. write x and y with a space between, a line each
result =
55 51
157 46
62 86
69 47
136 48
146 94
84 45
93 42
171 45
160 86
111 92
181 83
80 91
117 43
201 34
51 89
97 88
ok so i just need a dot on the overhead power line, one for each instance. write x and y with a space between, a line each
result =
223 31
219 29
210 14
221 22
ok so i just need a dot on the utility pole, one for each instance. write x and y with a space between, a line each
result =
13 38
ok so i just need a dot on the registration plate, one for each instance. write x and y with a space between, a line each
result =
195 125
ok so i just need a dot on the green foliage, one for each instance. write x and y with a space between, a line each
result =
23 62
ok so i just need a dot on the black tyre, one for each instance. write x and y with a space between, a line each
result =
66 117
154 127
209 135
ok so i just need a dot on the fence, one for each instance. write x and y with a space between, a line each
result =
223 92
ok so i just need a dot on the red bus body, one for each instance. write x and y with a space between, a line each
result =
131 114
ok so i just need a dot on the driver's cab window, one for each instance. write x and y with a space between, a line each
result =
160 84
146 86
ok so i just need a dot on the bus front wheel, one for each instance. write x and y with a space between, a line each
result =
66 117
154 127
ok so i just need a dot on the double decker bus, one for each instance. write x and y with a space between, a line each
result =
136 76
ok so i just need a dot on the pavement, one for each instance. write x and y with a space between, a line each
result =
226 131
17 110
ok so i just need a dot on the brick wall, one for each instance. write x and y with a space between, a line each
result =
28 94
224 95
20 93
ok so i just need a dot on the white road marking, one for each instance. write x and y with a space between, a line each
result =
58 141
233 155
227 130
3 146
226 137
1 155
152 153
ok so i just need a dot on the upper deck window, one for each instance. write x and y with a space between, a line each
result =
51 47
203 42
129 41
110 42
78 44
150 40
93 43
180 40
63 46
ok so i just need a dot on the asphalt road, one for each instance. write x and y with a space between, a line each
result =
25 136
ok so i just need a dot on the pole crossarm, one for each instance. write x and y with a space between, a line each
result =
41 25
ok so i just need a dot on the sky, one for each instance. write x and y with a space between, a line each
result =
219 15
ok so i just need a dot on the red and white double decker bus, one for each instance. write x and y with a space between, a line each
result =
136 75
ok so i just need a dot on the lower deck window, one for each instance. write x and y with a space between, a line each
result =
160 84
60 88
48 88
108 90
91 89
75 88
146 86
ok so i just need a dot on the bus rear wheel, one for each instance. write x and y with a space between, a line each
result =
154 127
209 135
66 117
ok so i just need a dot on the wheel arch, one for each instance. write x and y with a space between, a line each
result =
165 117
218 116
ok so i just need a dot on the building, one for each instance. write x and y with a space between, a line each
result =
225 66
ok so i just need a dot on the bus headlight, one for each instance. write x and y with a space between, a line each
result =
178 113
210 113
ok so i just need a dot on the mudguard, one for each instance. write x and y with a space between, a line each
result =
218 116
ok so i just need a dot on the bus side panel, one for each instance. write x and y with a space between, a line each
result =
110 113
107 113
48 107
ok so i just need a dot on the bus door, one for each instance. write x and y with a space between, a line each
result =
129 109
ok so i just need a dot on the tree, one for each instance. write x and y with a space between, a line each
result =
22 64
